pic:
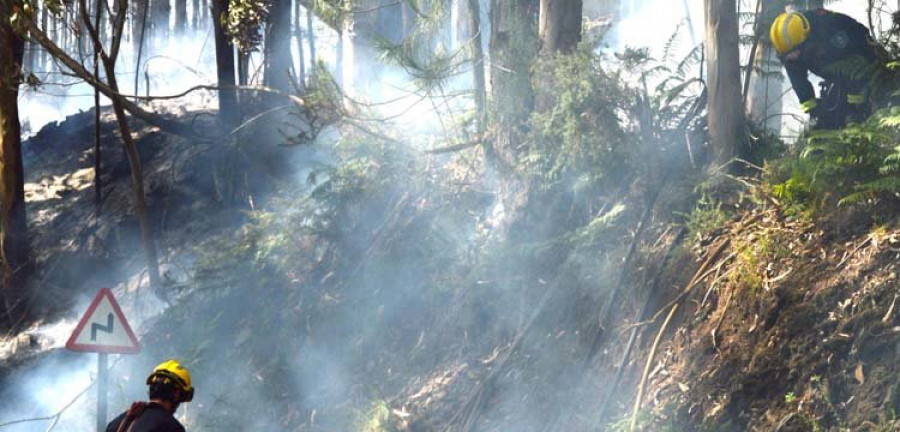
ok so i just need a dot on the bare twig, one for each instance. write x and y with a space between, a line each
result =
650 357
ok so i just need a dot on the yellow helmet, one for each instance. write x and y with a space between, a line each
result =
789 30
172 371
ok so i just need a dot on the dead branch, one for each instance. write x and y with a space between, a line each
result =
167 125
454 148
650 358
654 286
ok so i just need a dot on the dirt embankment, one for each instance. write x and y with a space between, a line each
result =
795 327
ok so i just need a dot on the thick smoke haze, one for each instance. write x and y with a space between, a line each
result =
45 386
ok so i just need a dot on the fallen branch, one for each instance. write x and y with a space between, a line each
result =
650 358
468 411
453 148
654 286
702 273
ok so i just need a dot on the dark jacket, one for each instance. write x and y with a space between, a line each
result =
834 38
148 417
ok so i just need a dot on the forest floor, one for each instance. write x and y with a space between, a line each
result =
393 324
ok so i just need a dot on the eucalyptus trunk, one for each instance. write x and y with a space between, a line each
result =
277 47
478 68
298 33
513 48
560 25
181 23
228 111
725 109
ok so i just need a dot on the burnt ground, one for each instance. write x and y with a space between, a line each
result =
795 328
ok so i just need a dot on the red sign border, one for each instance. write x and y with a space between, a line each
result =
72 346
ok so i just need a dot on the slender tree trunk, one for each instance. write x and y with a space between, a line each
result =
765 103
137 175
98 184
141 9
181 23
224 65
339 59
277 47
45 19
560 25
478 68
13 224
301 62
159 19
195 18
311 38
243 63
725 116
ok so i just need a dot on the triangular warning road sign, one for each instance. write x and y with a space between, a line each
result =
103 328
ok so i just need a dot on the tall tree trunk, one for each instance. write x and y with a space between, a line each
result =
181 24
134 162
514 46
764 102
725 109
195 17
478 68
224 65
13 224
98 184
560 25
277 47
140 10
159 19
311 38
298 27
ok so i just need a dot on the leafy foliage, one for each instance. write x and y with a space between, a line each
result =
857 165
580 138
244 22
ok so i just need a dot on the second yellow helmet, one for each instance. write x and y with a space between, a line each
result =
172 371
788 31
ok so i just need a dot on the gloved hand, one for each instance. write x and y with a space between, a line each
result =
817 110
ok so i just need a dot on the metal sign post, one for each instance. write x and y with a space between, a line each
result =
102 383
104 330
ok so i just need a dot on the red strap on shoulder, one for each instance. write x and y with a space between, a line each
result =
136 410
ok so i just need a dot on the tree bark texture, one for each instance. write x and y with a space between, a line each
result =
298 33
311 38
513 48
159 19
181 24
725 109
478 67
278 46
560 25
13 225
228 111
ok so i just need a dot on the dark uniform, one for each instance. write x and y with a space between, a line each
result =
145 417
839 49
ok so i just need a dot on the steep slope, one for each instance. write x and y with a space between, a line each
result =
793 327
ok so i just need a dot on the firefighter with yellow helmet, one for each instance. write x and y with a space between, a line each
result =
833 46
169 386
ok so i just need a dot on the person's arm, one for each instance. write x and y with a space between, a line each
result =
799 76
113 426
